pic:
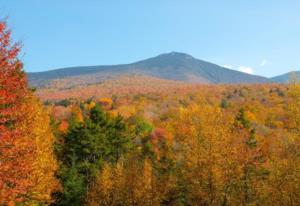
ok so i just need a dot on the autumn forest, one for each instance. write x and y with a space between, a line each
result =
143 141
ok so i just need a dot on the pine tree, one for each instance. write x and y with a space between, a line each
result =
90 143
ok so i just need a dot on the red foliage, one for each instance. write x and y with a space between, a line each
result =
63 127
13 90
160 135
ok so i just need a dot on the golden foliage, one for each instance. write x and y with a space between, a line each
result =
36 125
106 103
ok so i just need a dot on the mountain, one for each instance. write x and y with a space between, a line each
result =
170 66
285 78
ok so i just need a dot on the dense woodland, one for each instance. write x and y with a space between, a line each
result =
174 144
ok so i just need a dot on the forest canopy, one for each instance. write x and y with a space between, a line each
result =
156 143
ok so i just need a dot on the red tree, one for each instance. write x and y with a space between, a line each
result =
14 150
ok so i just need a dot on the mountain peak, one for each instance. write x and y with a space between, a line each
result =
175 54
171 59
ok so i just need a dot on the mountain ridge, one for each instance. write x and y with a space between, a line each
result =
286 77
171 66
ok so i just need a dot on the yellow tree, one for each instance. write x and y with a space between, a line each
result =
203 139
128 183
36 126
101 193
285 165
146 191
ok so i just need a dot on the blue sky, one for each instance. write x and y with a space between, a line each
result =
262 37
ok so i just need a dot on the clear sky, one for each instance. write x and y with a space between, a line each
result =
259 36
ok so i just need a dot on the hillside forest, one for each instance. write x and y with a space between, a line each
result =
152 142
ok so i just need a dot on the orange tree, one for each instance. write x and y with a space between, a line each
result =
25 137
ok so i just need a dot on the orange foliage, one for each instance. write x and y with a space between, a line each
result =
63 126
160 135
106 103
27 164
14 148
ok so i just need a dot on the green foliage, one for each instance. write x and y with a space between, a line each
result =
87 145
224 104
241 119
141 126
97 116
74 187
142 131
118 139
64 103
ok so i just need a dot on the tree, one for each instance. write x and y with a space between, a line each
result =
74 187
129 182
25 143
13 169
202 136
103 190
251 169
285 167
91 141
43 163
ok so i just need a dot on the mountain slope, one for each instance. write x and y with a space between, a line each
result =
171 66
285 78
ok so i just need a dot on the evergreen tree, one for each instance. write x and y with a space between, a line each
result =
87 146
